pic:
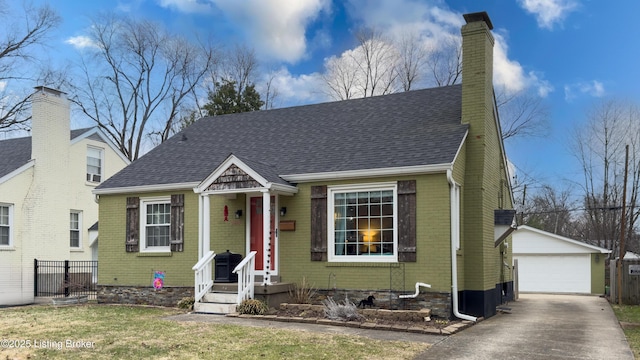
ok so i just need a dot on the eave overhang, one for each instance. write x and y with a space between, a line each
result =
368 173
145 188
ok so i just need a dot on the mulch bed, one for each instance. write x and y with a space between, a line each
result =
368 321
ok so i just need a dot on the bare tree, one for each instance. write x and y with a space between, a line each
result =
599 146
340 78
550 210
368 70
137 79
522 114
240 65
413 57
444 61
376 61
19 36
380 66
270 91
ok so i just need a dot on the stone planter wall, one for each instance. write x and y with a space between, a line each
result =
139 295
317 311
439 303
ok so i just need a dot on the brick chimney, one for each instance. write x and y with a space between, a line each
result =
50 127
47 196
477 71
482 171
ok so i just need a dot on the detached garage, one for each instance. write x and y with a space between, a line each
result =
555 264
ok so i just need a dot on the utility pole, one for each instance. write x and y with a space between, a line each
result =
622 224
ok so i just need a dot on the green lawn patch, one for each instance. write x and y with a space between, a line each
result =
135 332
629 317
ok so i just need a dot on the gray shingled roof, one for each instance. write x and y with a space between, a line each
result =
16 152
421 127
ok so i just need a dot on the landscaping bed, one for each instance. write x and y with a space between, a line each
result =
417 321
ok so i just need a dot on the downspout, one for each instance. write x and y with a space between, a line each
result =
455 236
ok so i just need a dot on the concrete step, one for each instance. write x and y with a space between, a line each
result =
220 297
214 308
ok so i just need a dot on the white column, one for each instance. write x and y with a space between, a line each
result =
200 226
206 224
266 241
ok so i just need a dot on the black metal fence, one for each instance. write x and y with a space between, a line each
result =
65 278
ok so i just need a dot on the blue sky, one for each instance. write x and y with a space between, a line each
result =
573 53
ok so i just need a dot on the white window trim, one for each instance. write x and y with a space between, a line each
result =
143 224
79 247
101 150
11 228
331 191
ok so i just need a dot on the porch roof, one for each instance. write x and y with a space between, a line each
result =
410 129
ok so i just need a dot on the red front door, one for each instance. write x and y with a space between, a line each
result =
257 230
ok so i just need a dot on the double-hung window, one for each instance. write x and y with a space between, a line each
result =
94 164
75 224
156 224
363 223
6 218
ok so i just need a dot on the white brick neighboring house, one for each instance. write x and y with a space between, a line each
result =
46 200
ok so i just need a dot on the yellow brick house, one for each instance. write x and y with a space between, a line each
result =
358 197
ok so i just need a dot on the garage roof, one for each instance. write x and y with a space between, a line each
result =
529 240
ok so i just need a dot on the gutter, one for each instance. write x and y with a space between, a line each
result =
455 237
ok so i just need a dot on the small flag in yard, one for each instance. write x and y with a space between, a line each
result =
158 280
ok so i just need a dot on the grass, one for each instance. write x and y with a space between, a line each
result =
133 332
630 314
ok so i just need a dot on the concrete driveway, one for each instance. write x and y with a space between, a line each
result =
541 327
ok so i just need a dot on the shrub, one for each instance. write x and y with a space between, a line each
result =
302 293
186 303
252 307
347 311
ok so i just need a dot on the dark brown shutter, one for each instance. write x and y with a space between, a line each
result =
319 223
133 224
407 221
177 222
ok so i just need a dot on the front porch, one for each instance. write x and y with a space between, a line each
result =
222 298
248 222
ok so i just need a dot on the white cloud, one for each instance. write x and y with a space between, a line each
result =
296 89
549 12
277 28
397 17
509 74
436 23
187 6
81 42
591 88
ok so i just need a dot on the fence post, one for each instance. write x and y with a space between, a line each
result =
35 277
66 278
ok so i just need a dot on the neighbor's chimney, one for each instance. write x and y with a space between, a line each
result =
50 128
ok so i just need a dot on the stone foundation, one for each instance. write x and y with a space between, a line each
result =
142 295
317 311
439 303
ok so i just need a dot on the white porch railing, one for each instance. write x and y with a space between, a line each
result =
204 280
246 277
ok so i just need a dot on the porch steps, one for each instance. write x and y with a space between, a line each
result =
217 302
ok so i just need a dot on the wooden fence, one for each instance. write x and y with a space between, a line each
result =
630 282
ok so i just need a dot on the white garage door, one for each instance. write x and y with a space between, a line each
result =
554 273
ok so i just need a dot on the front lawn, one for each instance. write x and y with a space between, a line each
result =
131 332
629 317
